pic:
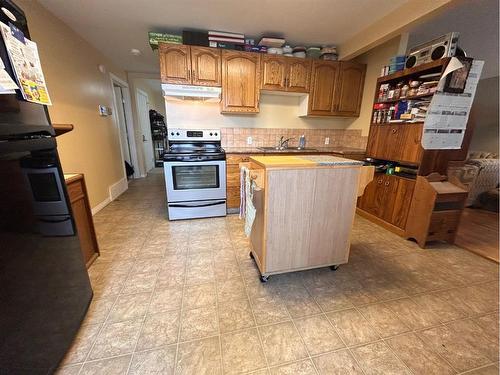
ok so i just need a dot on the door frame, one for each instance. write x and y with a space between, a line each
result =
115 81
142 92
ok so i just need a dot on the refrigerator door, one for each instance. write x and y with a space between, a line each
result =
44 286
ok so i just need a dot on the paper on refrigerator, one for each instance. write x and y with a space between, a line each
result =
448 113
25 61
7 84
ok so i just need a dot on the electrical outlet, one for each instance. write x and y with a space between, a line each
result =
327 140
249 140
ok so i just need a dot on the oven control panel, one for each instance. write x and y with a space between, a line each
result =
194 134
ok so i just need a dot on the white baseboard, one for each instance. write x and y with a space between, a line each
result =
101 205
118 188
115 191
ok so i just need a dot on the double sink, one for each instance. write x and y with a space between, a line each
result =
286 149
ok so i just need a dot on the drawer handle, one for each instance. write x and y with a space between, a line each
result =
394 131
379 182
387 183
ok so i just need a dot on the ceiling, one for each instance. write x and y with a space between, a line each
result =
116 26
477 22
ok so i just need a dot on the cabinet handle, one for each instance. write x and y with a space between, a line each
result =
192 73
189 74
387 183
379 182
394 131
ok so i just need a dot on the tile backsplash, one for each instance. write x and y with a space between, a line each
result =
237 137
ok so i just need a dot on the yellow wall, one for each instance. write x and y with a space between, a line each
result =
76 88
276 111
374 59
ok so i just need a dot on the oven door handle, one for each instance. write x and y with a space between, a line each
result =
181 205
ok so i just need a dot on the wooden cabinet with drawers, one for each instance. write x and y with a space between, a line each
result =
282 73
240 82
402 208
190 65
77 191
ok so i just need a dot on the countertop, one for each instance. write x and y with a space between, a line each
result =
303 161
318 150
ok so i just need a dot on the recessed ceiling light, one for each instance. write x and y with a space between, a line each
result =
135 52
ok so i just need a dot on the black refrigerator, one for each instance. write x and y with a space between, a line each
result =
44 286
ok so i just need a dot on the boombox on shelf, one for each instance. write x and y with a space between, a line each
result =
444 46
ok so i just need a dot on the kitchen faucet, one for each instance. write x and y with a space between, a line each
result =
283 143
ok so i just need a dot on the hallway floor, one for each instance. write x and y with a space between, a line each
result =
185 298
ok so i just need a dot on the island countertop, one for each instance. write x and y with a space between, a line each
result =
303 161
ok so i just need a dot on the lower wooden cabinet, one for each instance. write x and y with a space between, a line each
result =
233 180
388 198
82 214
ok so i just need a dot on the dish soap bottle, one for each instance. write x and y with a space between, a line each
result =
302 141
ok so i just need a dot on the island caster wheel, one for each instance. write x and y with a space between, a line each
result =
334 267
263 279
251 255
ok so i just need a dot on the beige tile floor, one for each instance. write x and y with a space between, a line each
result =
185 298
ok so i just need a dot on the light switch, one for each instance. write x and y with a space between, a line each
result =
249 140
327 140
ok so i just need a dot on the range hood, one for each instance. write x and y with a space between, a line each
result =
189 92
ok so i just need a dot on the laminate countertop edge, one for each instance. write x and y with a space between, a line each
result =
318 150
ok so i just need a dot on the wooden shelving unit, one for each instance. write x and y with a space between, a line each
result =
388 198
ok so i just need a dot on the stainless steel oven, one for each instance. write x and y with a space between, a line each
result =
195 174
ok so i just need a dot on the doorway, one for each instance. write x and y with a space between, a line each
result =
122 113
145 126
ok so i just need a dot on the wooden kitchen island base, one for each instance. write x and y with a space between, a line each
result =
305 211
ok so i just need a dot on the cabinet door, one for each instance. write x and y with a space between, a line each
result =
402 201
388 193
373 141
324 77
381 142
299 74
274 72
240 82
373 199
175 64
205 66
350 88
410 147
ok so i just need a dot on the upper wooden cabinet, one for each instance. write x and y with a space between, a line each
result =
299 74
206 66
240 82
322 99
175 64
350 88
336 88
274 71
190 65
282 73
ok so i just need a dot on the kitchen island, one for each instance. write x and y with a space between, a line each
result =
305 208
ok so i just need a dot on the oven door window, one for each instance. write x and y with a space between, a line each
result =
195 177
